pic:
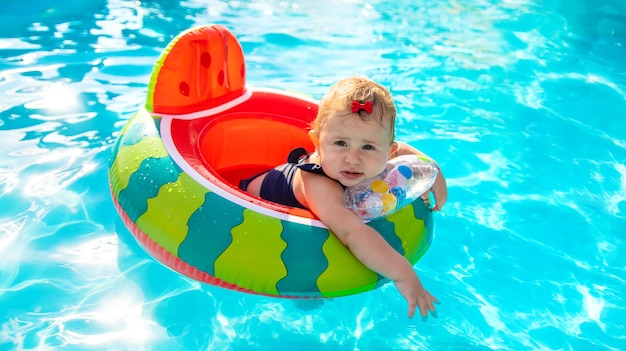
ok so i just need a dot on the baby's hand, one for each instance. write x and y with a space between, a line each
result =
440 192
416 296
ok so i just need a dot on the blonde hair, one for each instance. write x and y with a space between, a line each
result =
338 100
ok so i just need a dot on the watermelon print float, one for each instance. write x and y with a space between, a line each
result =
177 162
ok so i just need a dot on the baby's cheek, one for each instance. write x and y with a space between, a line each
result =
380 167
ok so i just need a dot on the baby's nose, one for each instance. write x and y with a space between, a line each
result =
352 157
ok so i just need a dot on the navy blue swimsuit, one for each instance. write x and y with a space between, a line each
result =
277 185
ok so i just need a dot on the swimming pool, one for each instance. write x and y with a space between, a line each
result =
523 103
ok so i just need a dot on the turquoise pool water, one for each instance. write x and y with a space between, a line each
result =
523 103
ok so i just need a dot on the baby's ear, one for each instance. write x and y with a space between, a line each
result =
393 149
315 139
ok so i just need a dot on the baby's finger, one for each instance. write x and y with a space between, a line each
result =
423 312
412 309
440 200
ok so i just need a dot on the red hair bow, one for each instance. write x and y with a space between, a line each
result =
357 106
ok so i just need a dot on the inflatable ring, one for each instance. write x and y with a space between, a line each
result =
177 162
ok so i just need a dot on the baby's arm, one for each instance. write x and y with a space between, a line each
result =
440 187
325 198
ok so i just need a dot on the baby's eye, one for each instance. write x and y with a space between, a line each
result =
368 147
341 143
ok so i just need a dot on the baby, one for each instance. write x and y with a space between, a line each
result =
353 135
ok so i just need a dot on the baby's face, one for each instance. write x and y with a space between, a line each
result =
352 150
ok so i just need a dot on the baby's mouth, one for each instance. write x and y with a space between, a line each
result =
351 175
